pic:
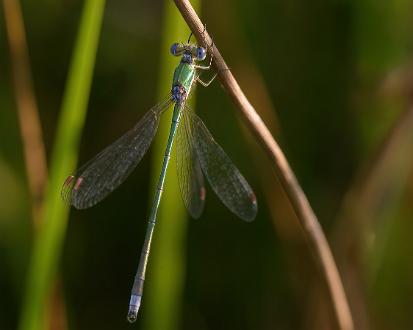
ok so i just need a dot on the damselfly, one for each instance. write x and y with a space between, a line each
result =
197 154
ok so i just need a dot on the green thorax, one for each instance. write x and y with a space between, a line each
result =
184 75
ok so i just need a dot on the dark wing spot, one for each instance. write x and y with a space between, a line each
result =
67 188
253 198
68 180
202 193
78 183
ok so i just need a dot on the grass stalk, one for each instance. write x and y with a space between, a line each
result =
165 280
49 240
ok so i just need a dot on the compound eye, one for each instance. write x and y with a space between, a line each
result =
200 53
177 49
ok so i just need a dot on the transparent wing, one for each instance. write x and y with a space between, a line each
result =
224 178
190 178
107 170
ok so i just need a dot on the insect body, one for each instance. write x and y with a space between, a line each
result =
197 155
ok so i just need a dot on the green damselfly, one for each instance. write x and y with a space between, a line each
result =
197 154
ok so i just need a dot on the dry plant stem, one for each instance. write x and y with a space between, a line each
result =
371 187
361 206
302 208
31 132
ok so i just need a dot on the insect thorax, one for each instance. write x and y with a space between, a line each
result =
182 82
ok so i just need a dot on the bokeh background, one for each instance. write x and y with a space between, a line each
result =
333 81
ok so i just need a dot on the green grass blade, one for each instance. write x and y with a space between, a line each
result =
163 292
49 240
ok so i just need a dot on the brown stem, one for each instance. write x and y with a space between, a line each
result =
376 186
299 202
31 132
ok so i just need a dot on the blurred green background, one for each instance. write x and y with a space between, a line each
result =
333 81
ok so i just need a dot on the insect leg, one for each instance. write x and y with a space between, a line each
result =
206 83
